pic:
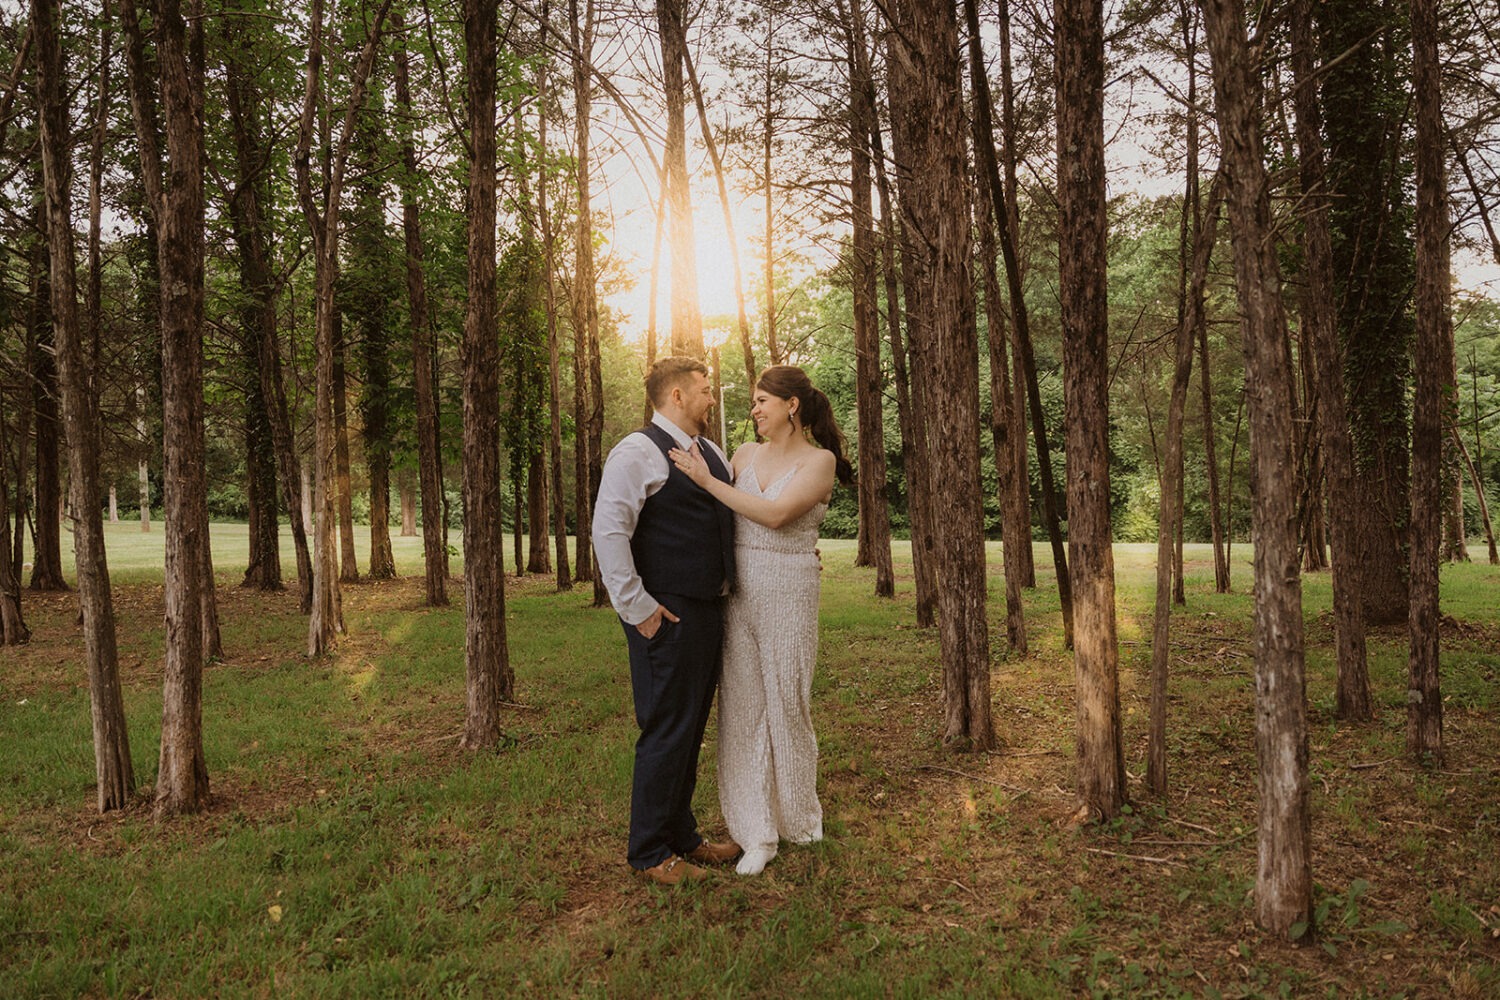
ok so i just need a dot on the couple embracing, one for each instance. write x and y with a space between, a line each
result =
711 565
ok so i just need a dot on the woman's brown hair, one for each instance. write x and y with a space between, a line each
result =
788 382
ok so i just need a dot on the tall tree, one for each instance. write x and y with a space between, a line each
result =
1434 390
1015 520
1283 882
115 778
487 660
554 352
586 306
250 205
929 131
370 285
1365 105
1189 317
326 620
174 189
1318 322
874 510
46 556
687 320
1082 282
424 370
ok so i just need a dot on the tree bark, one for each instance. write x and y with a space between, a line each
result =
584 276
1364 103
1015 520
46 557
687 320
1283 884
1085 332
1434 393
424 375
874 511
928 126
114 776
326 620
486 658
1009 234
348 560
1352 700
554 352
1172 486
13 629
176 201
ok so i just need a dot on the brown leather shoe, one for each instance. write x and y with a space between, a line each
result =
672 871
710 853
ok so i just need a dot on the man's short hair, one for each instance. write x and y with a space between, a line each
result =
670 373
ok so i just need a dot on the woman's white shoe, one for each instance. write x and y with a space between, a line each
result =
754 860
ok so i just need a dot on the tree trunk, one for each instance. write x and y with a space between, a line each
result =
326 620
928 127
13 630
348 561
913 430
1009 235
46 558
1085 334
1434 393
734 245
874 512
1484 507
1190 317
687 321
1318 322
115 779
538 559
1015 520
408 505
177 208
1283 884
554 351
1365 102
490 680
424 372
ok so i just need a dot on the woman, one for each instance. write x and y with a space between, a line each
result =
768 755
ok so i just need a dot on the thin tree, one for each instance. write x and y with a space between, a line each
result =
424 374
486 658
177 209
743 325
326 620
687 320
1172 486
554 359
1283 882
1352 700
1085 332
874 511
1015 520
586 305
46 556
115 778
1434 393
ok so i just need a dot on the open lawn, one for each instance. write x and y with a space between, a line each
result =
353 850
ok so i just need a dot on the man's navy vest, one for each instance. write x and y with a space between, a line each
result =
684 538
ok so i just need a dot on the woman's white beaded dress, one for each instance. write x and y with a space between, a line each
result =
768 754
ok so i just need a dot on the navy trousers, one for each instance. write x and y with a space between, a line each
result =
673 676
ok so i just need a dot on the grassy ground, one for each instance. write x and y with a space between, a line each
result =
352 849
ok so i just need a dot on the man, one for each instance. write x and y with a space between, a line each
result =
665 550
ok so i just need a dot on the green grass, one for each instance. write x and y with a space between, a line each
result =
352 849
